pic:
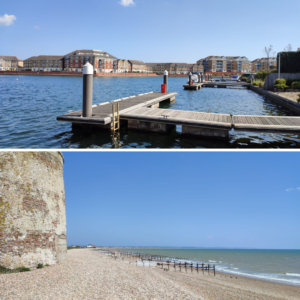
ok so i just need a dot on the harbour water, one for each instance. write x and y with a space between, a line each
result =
30 105
275 265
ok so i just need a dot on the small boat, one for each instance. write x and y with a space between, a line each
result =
195 79
235 78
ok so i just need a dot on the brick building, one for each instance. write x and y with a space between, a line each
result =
172 68
264 64
32 209
137 66
239 64
10 63
44 63
101 61
123 66
222 64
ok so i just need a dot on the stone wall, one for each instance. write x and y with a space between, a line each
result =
32 209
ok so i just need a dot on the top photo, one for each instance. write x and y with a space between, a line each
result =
136 74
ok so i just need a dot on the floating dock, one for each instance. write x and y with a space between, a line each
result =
217 84
102 113
195 86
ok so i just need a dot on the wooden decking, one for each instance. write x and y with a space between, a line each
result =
179 117
195 86
212 84
144 108
102 113
266 124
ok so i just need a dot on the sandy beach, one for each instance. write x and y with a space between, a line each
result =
87 274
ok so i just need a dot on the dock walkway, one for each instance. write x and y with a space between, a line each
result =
212 84
142 112
102 113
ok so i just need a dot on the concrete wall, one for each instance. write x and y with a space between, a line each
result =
32 209
269 83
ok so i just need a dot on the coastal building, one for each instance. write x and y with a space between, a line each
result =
222 64
239 64
264 64
172 68
123 66
10 63
44 63
137 66
214 63
101 61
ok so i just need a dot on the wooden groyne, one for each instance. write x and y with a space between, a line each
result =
162 262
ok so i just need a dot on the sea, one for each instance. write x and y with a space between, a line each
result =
30 105
273 265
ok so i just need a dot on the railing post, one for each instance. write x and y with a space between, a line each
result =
166 74
87 99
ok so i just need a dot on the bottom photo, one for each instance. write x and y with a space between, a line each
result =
149 225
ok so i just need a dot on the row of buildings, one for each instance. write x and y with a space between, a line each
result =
107 63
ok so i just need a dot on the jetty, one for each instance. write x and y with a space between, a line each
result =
215 84
142 112
102 113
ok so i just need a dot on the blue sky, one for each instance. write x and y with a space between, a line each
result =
203 199
149 30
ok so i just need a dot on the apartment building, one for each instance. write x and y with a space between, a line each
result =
223 64
239 64
172 68
264 64
123 66
101 61
44 63
214 63
198 68
10 63
137 66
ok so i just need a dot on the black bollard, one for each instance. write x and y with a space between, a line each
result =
87 100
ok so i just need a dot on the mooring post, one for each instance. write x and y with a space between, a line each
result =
190 78
214 270
199 78
166 74
87 99
202 77
222 77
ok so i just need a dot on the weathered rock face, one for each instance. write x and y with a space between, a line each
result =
32 209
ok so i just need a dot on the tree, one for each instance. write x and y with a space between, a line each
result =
288 48
269 53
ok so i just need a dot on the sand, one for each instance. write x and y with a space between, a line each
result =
293 96
87 274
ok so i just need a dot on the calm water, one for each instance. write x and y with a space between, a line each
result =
275 265
30 105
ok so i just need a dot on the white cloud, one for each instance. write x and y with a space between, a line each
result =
292 189
36 27
7 20
127 2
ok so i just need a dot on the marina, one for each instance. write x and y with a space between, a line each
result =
142 112
31 105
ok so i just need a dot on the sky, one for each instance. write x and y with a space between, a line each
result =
149 30
183 199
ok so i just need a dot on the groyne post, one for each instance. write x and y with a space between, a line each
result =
87 99
166 75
